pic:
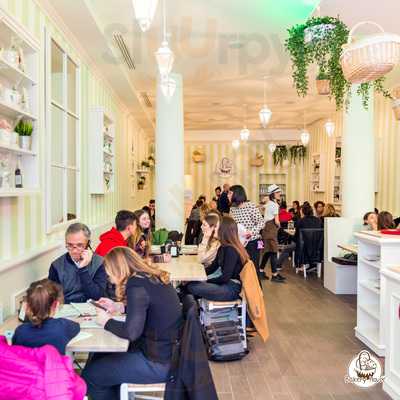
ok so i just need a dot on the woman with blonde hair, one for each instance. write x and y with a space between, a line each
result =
330 211
209 246
153 320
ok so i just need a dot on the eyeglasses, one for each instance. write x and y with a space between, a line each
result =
79 246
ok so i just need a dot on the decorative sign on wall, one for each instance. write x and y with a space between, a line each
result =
225 168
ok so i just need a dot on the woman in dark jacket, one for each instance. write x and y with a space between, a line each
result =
231 257
153 320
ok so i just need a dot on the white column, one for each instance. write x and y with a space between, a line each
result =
358 158
170 159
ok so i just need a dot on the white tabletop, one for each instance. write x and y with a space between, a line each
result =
184 269
101 341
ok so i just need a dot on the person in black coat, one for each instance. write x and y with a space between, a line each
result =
223 204
152 326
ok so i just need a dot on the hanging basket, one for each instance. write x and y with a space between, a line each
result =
396 108
370 58
317 32
323 87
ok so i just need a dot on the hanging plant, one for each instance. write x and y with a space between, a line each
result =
297 153
279 155
325 37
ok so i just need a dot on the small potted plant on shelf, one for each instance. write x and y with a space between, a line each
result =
145 164
141 182
24 130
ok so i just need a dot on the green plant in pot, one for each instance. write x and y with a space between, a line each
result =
24 129
319 42
297 153
279 155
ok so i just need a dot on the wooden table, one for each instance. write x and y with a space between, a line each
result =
185 269
101 341
351 248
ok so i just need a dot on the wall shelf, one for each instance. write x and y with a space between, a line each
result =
16 150
318 172
18 192
14 74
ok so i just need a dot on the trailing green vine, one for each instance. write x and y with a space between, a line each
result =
297 152
279 155
325 49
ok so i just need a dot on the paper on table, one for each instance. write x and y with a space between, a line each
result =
80 336
84 308
89 324
67 311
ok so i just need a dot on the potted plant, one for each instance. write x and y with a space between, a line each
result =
141 182
280 154
322 83
297 152
145 164
324 48
24 129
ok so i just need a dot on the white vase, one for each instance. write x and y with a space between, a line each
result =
25 142
5 137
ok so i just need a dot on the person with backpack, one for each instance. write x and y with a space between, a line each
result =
230 258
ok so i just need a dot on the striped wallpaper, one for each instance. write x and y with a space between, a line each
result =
22 220
205 179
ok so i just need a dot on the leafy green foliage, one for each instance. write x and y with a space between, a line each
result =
297 153
280 154
24 128
325 49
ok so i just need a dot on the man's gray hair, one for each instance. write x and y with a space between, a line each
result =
78 227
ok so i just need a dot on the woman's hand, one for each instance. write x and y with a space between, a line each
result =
102 317
109 305
207 230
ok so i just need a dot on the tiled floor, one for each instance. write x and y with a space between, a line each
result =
311 344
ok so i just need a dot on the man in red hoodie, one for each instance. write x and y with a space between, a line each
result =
125 226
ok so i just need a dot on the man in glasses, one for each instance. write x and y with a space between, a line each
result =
80 272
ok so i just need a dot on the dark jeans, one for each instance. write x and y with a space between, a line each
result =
286 253
253 252
211 291
105 372
269 255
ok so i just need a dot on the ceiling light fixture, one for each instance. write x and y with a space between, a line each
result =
305 135
245 133
236 144
168 86
164 55
272 147
144 12
265 113
329 127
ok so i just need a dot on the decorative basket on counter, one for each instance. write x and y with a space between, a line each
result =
370 58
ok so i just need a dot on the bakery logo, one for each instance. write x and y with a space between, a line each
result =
364 370
225 168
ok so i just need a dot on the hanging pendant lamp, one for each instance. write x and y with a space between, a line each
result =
265 113
168 87
245 133
144 12
236 144
272 147
329 128
305 135
164 55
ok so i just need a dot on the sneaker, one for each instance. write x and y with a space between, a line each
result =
278 279
281 277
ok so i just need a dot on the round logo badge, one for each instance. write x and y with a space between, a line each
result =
364 370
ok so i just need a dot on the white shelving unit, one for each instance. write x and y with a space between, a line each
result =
318 168
102 151
267 179
23 77
391 287
376 253
337 184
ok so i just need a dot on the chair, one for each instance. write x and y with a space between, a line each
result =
310 250
146 391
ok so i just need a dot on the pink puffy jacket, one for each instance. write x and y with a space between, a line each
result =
37 374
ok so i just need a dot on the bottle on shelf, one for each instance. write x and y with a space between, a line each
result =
18 175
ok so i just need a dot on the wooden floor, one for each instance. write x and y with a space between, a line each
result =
306 358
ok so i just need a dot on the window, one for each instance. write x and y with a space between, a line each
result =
62 136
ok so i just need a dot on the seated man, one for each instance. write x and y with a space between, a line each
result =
80 272
126 224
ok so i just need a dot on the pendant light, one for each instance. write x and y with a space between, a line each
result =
265 113
164 55
329 127
245 133
272 147
144 12
168 87
305 135
236 144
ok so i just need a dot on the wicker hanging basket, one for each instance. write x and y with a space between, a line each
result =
370 58
323 86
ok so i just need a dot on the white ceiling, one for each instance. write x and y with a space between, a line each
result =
218 77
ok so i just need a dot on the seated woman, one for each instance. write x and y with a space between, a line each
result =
210 244
231 257
140 242
153 320
371 221
385 220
